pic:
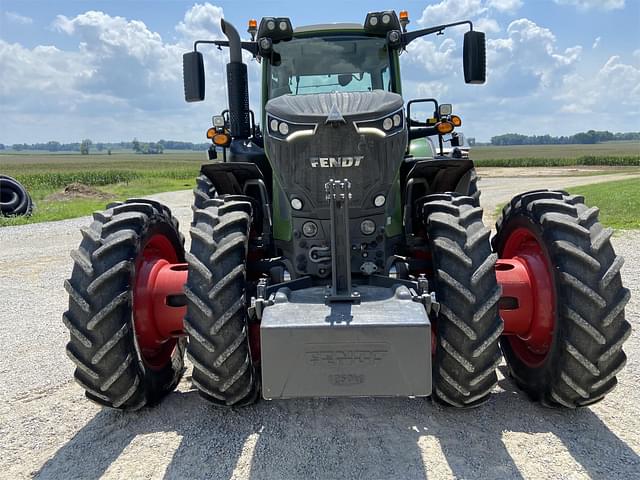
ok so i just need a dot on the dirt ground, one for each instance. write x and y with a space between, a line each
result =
79 190
49 430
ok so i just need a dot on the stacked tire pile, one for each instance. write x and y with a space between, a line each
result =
14 198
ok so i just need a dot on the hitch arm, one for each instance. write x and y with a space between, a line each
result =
338 194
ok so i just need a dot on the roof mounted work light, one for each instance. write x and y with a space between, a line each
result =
275 28
381 22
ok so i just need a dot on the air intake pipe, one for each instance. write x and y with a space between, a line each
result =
237 85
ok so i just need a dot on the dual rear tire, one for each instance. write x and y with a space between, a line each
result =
577 365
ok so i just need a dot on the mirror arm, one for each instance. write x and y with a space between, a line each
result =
251 47
411 36
422 132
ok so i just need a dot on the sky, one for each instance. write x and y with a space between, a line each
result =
112 70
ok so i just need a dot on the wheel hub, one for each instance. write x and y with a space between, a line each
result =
158 300
528 299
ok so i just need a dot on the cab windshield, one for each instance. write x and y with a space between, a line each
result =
329 64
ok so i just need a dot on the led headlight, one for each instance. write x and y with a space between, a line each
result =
271 25
379 200
288 131
296 204
382 127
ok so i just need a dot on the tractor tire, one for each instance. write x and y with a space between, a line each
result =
103 345
468 325
216 319
474 192
14 198
203 192
585 350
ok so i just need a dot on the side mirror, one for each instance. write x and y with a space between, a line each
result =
193 75
475 57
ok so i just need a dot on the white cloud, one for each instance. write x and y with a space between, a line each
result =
447 11
614 88
509 6
120 72
527 68
529 52
14 17
201 21
596 42
593 4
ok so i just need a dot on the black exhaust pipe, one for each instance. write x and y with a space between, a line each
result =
237 85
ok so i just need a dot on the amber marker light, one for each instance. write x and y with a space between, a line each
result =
253 28
456 120
444 127
404 20
221 139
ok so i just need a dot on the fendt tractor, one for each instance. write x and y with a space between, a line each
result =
333 255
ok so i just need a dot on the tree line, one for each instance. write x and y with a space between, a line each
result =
86 145
589 137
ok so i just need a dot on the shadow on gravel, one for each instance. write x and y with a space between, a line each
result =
351 438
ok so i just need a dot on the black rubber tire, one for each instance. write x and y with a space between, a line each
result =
14 198
216 319
102 338
586 350
468 325
203 192
473 188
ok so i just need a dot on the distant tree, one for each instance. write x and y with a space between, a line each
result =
100 146
471 141
85 145
136 146
109 152
2 147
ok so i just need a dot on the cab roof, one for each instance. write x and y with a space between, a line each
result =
323 27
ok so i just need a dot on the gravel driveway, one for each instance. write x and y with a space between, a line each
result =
48 429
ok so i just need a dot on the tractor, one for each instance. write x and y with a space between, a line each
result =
331 256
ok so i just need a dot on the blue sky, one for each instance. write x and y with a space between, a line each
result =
111 70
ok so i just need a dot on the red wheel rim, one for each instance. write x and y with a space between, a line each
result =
155 347
533 347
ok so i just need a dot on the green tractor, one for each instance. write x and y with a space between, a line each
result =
331 256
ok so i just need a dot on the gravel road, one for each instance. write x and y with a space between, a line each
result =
49 430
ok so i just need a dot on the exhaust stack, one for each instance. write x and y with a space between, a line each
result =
237 85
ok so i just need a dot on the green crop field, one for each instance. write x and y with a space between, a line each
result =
117 176
608 153
125 174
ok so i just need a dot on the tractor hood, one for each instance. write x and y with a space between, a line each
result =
312 138
351 105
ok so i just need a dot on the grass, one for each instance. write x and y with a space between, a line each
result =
122 175
619 202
